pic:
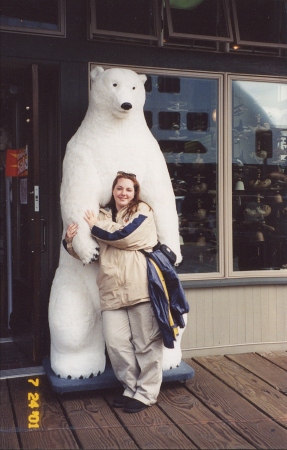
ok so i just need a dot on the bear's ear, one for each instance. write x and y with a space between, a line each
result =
143 78
95 72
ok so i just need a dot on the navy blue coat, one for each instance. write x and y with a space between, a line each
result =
177 300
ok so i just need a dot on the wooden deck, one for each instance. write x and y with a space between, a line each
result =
234 401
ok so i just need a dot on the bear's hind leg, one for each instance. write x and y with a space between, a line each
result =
77 344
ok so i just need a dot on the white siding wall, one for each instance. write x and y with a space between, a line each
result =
235 320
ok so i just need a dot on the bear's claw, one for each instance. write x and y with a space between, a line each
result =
95 256
81 377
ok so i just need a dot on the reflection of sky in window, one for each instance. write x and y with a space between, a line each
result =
271 97
191 95
14 22
183 96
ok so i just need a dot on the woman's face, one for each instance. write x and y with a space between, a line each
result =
123 192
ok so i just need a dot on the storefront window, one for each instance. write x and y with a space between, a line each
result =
259 175
33 16
224 139
183 115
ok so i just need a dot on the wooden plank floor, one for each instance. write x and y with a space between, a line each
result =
233 402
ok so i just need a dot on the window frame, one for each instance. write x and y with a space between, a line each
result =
225 274
61 32
230 272
173 34
240 41
95 31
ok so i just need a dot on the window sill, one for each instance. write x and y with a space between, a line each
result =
232 282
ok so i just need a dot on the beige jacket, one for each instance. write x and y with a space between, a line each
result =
122 278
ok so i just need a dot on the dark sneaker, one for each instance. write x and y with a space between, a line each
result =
134 406
120 401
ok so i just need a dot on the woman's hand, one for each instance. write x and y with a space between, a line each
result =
71 233
90 218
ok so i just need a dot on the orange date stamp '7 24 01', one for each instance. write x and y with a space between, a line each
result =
34 404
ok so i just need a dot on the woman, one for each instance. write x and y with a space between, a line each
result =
133 339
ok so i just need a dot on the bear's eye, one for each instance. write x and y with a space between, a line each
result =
133 87
115 84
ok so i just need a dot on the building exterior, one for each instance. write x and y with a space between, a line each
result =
216 102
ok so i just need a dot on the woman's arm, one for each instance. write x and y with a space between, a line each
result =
68 241
139 233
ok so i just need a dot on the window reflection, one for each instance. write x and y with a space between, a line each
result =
201 18
197 121
37 16
129 19
264 23
259 170
182 109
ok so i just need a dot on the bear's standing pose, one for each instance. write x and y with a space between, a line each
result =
112 137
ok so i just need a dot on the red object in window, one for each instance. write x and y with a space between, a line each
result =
16 162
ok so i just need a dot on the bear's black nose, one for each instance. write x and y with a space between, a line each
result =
126 106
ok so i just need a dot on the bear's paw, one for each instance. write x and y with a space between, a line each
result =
86 248
95 256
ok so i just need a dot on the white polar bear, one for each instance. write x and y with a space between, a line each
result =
112 137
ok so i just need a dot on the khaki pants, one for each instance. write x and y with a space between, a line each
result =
135 347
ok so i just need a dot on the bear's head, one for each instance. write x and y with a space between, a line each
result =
115 91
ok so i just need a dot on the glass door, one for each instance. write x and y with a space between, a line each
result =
23 234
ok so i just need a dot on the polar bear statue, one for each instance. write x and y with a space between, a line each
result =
112 137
